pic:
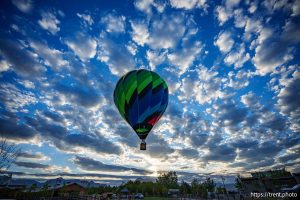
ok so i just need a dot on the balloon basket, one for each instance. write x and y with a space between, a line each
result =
143 146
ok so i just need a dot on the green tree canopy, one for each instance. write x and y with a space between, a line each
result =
209 184
168 179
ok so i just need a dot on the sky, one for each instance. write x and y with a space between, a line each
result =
232 68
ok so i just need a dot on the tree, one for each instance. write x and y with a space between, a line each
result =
209 185
168 179
32 187
221 190
199 189
8 154
185 188
238 183
45 186
195 187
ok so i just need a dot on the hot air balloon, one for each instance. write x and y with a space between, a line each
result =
141 97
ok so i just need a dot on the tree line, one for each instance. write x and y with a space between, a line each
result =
160 187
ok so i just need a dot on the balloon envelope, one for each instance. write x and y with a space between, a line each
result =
141 97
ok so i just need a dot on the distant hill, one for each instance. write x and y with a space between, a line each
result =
60 182
25 182
145 179
52 183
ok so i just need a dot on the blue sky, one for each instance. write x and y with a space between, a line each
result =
232 68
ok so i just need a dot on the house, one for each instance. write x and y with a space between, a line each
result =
5 180
173 193
124 193
269 181
72 188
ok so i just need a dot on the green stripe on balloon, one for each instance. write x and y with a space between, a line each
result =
157 82
144 84
131 90
128 79
165 85
122 99
117 94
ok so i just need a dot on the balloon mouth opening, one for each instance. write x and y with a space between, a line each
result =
143 145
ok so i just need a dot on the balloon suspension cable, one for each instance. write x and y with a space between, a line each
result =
143 145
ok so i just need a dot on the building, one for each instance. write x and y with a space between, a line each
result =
69 189
124 193
174 193
269 181
5 180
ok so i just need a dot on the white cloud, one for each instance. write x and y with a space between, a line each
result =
239 18
296 8
52 57
160 6
139 33
132 48
164 32
30 156
252 26
251 101
15 28
164 35
222 14
23 5
265 66
4 66
288 98
114 24
273 5
87 18
273 49
144 5
155 58
15 99
231 3
253 7
23 61
224 41
28 84
186 56
239 80
188 4
167 31
83 46
225 12
49 22
202 85
117 57
237 57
